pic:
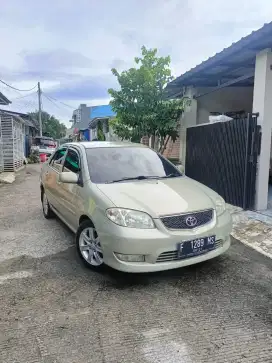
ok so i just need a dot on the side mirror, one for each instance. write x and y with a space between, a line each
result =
181 168
68 177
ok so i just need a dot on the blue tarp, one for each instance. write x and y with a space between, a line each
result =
86 134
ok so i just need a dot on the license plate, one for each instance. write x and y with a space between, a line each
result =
196 247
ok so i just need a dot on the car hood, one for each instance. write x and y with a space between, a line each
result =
160 197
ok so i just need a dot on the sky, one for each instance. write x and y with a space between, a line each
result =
70 46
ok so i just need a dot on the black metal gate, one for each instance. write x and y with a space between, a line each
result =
223 156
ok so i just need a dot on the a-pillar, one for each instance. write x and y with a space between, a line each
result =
188 119
262 103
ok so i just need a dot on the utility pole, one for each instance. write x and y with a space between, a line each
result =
40 107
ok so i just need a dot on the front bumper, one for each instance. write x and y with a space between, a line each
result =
153 242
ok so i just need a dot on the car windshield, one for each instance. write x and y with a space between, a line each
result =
116 164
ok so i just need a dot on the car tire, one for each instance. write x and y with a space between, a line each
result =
47 211
89 247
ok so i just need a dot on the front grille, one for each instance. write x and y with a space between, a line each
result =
169 256
181 221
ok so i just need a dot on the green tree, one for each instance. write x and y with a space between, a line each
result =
141 104
51 125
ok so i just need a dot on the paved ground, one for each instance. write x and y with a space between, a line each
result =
254 229
54 310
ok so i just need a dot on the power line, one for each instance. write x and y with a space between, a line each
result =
16 89
63 103
30 94
29 104
52 100
49 99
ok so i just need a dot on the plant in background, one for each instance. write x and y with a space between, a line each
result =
51 125
141 104
100 133
34 157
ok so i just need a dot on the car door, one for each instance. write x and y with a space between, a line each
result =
70 194
51 176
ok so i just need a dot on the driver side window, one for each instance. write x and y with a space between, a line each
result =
58 158
72 161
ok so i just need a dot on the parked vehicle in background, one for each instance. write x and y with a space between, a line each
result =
131 208
64 141
45 145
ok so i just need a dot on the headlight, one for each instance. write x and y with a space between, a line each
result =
220 206
130 218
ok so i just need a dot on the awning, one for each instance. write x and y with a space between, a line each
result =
232 66
94 122
3 100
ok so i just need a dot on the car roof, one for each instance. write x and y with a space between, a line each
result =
44 137
104 144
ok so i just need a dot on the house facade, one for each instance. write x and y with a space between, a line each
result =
4 102
17 131
81 114
100 122
238 81
93 119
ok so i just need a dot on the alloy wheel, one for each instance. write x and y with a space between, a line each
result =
90 247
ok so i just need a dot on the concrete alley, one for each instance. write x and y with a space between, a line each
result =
55 310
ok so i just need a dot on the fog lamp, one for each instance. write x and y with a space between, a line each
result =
130 258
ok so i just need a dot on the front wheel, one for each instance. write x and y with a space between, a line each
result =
47 211
89 247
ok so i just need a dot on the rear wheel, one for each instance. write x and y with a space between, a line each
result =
47 211
89 247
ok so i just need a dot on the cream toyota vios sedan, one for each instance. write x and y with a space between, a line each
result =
131 209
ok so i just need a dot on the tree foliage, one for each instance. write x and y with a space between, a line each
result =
140 104
52 127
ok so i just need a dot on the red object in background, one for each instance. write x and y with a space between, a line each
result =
52 145
42 158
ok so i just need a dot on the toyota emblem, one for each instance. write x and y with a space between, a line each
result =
191 221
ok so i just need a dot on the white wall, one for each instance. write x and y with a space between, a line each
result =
223 100
188 119
262 103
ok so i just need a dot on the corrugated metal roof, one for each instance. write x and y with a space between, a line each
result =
97 112
102 111
4 100
230 63
23 116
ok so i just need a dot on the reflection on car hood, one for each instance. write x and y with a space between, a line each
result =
160 197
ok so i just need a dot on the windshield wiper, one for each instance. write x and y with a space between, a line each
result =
139 177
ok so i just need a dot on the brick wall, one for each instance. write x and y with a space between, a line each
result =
145 140
172 150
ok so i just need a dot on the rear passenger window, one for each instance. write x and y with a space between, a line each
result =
71 162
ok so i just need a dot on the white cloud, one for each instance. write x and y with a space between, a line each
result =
65 43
